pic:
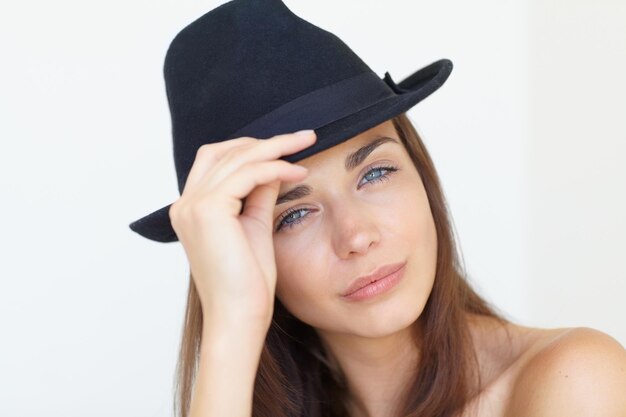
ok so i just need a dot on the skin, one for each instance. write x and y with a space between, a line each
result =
346 232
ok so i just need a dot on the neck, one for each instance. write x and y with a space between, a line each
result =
377 370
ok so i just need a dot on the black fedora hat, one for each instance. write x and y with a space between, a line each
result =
254 68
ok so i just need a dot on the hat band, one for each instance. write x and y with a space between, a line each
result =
321 107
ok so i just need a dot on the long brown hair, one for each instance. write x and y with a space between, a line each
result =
297 378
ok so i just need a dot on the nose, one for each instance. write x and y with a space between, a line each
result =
354 229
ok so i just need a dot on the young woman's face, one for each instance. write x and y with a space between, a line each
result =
353 221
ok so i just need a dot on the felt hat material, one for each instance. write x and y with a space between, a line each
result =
254 68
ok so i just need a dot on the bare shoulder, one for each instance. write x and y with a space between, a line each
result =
581 372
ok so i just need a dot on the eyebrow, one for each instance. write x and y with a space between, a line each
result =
352 161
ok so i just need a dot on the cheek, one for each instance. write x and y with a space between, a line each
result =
411 222
403 214
425 239
300 272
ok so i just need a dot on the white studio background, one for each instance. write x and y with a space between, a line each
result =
527 135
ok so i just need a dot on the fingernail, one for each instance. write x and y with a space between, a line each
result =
304 132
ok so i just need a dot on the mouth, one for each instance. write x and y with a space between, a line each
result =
378 274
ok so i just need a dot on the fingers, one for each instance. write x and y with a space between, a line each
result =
207 155
216 161
259 204
240 184
262 150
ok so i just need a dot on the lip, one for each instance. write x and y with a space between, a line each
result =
378 274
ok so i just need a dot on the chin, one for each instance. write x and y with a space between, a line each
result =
384 318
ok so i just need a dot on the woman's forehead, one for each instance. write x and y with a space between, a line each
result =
341 152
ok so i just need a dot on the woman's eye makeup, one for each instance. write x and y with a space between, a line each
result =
294 216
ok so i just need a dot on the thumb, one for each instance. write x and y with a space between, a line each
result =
257 222
259 204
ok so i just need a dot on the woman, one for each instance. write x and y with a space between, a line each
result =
335 289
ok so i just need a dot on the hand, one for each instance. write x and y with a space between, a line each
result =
230 251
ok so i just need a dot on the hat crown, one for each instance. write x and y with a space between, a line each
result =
253 68
239 61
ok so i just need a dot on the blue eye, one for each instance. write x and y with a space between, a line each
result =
285 218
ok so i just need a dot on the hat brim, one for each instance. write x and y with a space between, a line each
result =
413 89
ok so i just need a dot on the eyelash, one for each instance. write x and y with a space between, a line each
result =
289 212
